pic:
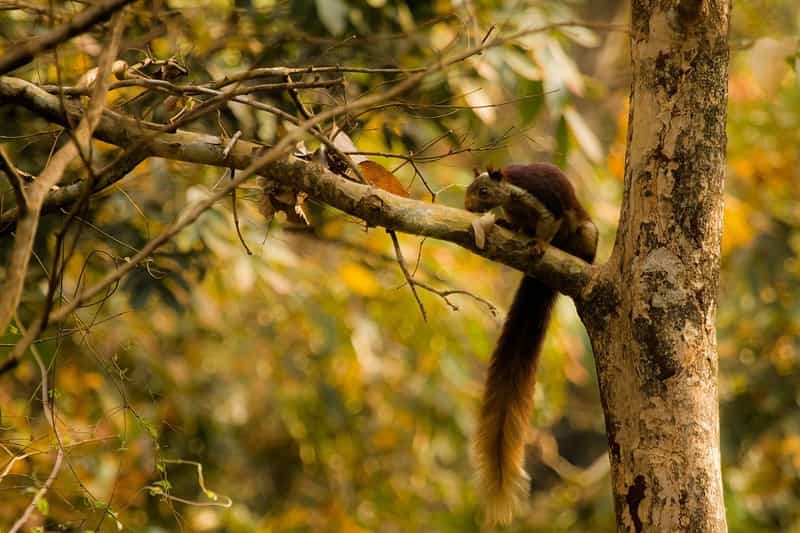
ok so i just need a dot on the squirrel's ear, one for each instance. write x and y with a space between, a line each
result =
496 175
475 172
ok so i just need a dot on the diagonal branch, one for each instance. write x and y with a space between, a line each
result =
14 179
25 53
21 251
375 206
39 493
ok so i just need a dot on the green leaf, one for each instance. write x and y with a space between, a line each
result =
534 98
43 506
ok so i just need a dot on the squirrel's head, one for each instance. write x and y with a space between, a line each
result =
485 192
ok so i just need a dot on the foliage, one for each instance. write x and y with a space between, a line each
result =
759 318
302 379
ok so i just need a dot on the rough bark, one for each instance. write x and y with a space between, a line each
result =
650 312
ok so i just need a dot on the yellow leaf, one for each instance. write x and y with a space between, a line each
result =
93 380
359 280
385 439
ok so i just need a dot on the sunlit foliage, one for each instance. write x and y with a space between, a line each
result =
303 379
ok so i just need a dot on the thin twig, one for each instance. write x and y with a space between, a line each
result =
557 262
15 180
189 89
158 490
51 421
227 151
25 53
411 283
419 255
39 494
488 33
443 294
285 71
13 461
66 332
50 176
236 215
295 95
450 292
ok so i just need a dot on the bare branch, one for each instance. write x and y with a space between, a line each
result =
64 196
443 294
14 179
15 458
23 54
287 71
28 223
40 493
376 207
235 212
409 279
189 89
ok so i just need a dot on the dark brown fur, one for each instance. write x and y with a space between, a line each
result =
508 399
508 396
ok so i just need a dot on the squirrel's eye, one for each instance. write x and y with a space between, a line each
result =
483 191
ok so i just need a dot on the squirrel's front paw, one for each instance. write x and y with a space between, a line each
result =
481 226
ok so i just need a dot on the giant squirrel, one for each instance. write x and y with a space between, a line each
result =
539 201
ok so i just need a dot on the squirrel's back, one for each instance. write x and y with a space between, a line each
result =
508 396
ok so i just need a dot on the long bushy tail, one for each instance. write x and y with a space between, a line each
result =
508 400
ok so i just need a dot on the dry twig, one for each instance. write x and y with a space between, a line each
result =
25 53
51 175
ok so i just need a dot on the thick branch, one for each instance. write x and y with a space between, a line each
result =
375 206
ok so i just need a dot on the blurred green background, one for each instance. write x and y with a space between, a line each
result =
303 379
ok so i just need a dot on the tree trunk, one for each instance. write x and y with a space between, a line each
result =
650 312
